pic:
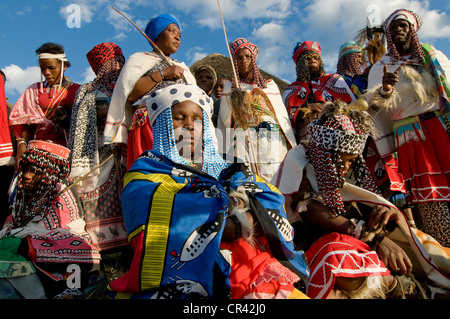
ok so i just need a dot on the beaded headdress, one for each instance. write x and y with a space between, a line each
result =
340 128
51 160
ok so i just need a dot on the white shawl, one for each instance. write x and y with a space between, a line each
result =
119 117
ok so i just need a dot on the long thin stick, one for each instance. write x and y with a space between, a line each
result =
253 163
228 46
149 40
83 177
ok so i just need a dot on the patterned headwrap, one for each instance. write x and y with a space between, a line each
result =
339 129
241 43
84 139
415 22
159 109
102 59
349 59
302 52
157 25
302 47
50 160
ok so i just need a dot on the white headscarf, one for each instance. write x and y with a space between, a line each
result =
159 105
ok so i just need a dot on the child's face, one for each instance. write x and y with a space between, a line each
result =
348 161
31 177
219 87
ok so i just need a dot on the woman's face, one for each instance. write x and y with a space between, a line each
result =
51 70
205 81
169 40
187 119
348 161
244 62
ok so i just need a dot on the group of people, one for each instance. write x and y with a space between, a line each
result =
162 183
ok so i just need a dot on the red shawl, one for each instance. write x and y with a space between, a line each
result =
338 255
37 107
256 274
329 87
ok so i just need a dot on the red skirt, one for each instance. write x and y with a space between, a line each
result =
424 158
140 138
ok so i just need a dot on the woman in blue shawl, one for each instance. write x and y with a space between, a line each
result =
176 207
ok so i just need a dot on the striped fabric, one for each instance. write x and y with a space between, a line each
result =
6 148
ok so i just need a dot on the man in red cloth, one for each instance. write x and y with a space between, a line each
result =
313 87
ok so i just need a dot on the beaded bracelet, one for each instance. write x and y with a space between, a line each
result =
384 93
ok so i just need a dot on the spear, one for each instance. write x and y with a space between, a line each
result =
155 47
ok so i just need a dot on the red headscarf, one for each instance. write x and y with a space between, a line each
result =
103 58
102 53
241 43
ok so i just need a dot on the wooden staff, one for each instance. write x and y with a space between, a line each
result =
155 47
228 46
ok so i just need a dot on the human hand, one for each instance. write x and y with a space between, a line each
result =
381 214
394 257
21 148
316 108
173 72
389 79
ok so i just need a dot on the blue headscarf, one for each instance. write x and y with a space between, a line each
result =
156 25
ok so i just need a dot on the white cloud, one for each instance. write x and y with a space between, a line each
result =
194 54
436 25
25 10
269 32
206 12
18 79
88 75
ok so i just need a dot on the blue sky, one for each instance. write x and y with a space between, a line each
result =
274 25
